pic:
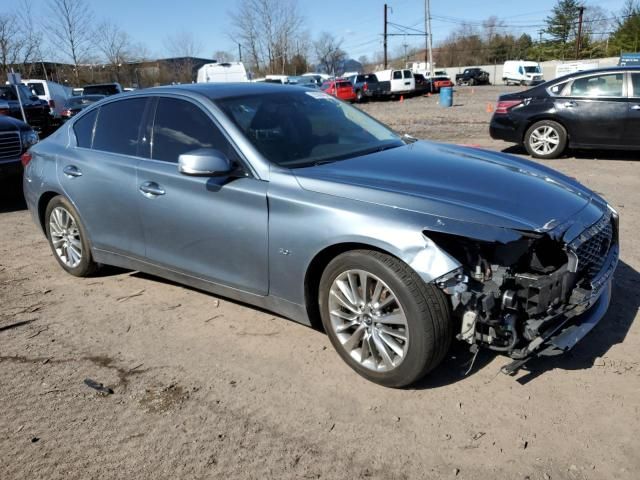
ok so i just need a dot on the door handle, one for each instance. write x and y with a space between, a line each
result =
569 104
151 189
71 171
635 107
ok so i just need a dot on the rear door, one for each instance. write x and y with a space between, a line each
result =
632 126
397 82
594 109
98 174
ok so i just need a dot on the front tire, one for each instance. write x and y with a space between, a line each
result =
68 238
384 321
545 139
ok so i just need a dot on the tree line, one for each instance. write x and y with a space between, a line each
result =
603 34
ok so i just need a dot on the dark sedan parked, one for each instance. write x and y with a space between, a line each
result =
591 109
75 105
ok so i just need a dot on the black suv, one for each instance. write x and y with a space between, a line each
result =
15 138
589 109
37 111
473 76
365 86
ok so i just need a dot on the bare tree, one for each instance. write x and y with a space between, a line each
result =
183 44
223 56
271 33
19 38
329 53
114 44
69 28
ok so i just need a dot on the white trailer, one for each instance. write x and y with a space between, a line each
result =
222 73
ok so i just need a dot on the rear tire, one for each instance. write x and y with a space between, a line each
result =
359 96
545 139
68 238
365 325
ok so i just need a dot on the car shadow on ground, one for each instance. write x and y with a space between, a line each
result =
459 362
582 154
11 197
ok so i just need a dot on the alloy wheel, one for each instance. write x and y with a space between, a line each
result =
368 320
65 237
544 140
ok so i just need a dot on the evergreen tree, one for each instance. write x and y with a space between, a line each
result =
562 25
626 37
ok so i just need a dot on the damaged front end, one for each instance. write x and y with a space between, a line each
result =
532 293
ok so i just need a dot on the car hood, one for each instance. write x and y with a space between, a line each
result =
461 183
10 124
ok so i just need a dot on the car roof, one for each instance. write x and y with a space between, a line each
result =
613 69
217 91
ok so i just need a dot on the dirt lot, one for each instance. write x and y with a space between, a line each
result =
208 388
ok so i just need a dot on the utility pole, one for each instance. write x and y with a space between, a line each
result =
579 39
385 36
239 52
427 31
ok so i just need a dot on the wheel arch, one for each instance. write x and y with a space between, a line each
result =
542 118
314 273
43 201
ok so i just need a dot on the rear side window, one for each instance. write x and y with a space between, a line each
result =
397 75
408 74
83 128
118 126
181 127
598 86
635 80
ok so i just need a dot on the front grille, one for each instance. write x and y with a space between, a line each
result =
10 145
592 252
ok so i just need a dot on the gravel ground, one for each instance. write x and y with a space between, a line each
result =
209 388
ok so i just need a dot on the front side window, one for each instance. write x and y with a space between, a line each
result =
298 129
118 126
180 127
609 85
83 129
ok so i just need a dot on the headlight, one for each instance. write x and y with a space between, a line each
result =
29 138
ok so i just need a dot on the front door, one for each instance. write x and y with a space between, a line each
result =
213 228
594 109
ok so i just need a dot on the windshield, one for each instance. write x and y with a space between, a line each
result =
535 69
300 128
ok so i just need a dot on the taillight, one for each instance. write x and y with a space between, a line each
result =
25 159
66 113
365 87
4 111
503 106
52 104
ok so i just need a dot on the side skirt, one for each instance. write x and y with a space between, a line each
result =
276 305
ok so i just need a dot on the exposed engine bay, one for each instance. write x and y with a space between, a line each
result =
512 297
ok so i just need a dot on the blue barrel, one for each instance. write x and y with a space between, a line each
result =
446 96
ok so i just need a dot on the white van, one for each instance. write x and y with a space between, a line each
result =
222 73
521 72
53 93
400 81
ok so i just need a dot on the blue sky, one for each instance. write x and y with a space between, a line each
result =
357 22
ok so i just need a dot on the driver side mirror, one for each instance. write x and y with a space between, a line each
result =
205 162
